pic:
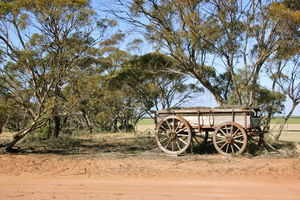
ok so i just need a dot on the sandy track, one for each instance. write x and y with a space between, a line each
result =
47 176
136 188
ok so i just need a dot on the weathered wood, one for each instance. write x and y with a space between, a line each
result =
229 124
210 118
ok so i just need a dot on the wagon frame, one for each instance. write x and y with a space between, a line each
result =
233 128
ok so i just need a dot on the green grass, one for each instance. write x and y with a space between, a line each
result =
292 120
146 121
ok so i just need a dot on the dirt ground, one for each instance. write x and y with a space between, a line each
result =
98 168
50 176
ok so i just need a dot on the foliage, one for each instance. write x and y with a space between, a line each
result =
266 96
151 80
240 35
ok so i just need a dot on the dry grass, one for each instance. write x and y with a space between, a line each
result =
135 144
84 143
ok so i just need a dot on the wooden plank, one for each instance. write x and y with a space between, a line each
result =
214 120
212 117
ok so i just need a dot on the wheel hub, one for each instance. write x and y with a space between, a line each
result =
172 135
229 139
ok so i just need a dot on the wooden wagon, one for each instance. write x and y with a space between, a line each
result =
233 128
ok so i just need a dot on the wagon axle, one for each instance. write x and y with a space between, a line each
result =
172 134
229 139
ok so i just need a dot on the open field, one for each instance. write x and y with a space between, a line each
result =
292 120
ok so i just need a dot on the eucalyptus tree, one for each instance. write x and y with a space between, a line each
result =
146 78
44 45
287 77
284 67
212 39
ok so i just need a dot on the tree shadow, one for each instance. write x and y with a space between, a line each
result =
77 146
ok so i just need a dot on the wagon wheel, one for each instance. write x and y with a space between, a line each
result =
230 138
199 139
173 135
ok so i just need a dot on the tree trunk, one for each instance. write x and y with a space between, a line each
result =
284 122
254 84
2 122
17 137
88 122
201 78
269 111
56 120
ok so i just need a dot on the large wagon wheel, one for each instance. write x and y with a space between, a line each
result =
230 138
173 135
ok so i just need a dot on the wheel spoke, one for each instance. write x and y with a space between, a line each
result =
235 132
182 135
239 141
178 145
221 136
168 143
181 130
227 130
181 140
223 145
170 128
163 140
239 136
220 141
173 123
227 147
223 132
232 149
178 126
231 129
237 146
172 145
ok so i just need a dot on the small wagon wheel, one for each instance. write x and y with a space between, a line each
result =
173 135
230 138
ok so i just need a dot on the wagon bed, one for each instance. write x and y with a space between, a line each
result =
178 128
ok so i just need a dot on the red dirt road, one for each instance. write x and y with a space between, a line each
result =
47 176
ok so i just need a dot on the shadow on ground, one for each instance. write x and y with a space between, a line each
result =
125 144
